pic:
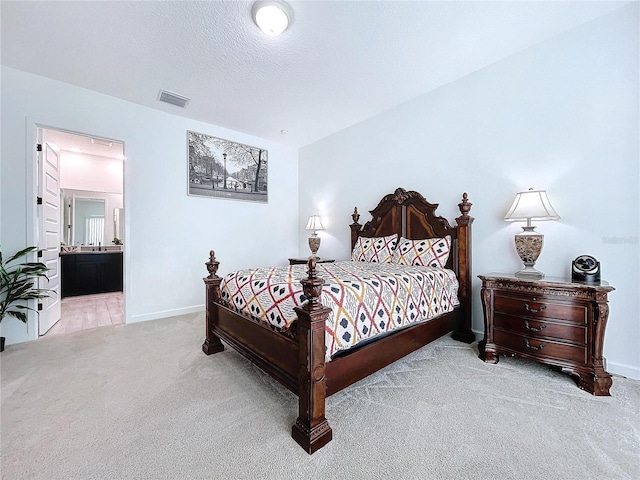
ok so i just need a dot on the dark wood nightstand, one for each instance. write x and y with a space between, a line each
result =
303 261
551 320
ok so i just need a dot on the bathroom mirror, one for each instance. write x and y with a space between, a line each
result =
118 219
91 218
88 221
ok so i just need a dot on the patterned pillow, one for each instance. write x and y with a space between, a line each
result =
375 249
430 252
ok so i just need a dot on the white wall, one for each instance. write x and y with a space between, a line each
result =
90 172
168 234
561 116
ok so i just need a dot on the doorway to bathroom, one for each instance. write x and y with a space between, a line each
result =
81 239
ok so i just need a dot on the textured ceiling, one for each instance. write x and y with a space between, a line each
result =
339 62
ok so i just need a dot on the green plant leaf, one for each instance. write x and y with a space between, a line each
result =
18 284
22 253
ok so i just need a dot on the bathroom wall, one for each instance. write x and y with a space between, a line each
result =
89 176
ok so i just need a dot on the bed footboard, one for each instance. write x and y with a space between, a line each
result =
298 363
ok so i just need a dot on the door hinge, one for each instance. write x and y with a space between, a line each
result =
40 307
39 147
39 200
39 253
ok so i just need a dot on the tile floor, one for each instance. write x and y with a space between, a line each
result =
89 311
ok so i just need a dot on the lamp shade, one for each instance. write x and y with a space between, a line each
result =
314 223
531 205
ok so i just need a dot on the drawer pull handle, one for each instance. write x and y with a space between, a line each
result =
533 329
533 310
533 347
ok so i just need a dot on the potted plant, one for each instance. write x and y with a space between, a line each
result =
18 285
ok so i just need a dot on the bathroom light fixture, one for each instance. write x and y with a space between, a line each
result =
314 223
272 16
527 206
102 142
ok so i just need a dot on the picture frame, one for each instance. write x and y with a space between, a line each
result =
221 168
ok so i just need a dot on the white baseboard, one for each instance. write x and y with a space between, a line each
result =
165 313
623 370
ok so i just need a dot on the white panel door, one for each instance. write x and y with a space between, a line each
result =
49 233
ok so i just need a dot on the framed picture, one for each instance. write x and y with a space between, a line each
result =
221 168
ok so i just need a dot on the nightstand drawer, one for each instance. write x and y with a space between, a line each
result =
541 347
541 328
541 308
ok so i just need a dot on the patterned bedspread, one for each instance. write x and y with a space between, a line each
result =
366 299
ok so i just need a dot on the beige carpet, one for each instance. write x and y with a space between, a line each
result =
143 402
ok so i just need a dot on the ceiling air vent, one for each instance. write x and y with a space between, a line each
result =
173 98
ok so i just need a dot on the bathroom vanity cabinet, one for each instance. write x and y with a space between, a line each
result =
84 273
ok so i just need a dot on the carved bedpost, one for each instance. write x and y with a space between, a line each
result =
311 430
212 343
355 227
464 221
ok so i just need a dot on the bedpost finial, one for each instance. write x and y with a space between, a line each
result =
465 205
312 287
212 265
311 267
355 215
465 219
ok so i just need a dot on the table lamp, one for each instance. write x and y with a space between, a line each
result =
530 205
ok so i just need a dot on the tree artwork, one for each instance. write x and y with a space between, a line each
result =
226 169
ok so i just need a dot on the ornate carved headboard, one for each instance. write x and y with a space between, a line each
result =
411 216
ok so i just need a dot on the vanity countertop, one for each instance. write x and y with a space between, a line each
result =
90 250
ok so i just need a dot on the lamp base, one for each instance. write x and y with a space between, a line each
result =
529 273
529 245
314 245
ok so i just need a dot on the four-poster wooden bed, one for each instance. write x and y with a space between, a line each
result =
296 358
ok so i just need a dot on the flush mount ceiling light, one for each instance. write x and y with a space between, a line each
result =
272 16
